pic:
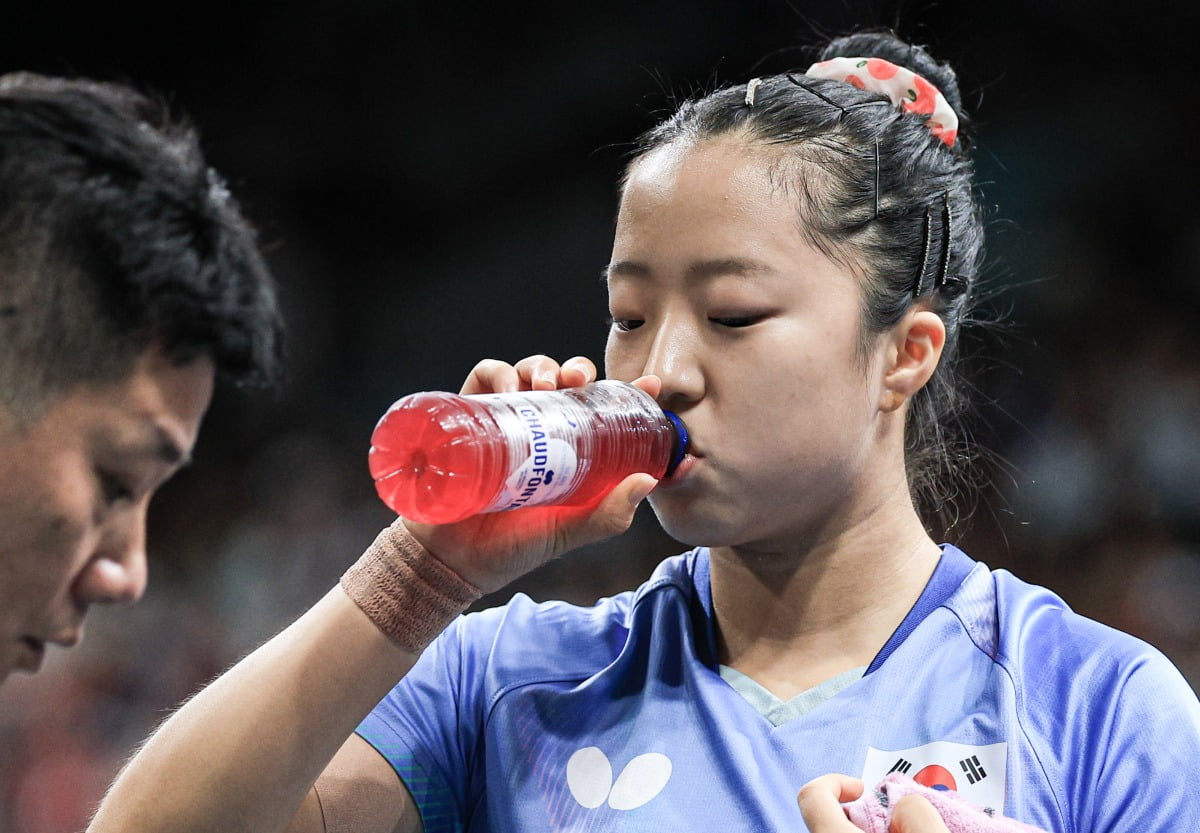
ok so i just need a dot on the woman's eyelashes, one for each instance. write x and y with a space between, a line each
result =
625 325
736 321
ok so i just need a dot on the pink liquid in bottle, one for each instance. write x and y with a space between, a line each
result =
441 457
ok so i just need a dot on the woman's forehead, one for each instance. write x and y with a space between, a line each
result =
690 204
715 175
669 160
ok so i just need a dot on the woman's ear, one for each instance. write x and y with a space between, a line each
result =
914 350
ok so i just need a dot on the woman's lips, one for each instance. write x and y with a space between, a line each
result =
681 472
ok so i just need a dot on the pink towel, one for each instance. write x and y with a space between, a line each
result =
873 810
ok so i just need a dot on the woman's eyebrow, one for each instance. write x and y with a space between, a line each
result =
698 271
625 268
745 267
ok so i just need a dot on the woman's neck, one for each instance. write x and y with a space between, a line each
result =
791 616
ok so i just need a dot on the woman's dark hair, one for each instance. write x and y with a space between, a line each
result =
880 193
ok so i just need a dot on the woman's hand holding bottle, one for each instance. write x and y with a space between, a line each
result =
492 549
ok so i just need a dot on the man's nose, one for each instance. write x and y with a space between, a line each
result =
117 573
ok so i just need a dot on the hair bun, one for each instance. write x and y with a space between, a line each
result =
885 44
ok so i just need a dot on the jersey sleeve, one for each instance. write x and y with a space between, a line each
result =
1150 749
1109 729
427 727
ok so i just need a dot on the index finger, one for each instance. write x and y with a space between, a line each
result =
491 376
544 373
821 800
649 384
577 370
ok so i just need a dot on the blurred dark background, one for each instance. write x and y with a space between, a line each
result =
435 184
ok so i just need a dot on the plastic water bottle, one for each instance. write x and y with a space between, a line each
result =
441 457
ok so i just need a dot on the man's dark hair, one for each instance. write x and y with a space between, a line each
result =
115 237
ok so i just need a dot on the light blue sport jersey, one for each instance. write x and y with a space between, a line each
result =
532 718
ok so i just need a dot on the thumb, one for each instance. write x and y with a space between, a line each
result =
615 513
821 802
914 814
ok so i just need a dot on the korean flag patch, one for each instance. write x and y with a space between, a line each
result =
976 773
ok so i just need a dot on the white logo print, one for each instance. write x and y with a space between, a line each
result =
590 777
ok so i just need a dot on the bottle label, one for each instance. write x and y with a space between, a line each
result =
549 471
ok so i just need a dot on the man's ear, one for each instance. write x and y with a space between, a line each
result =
914 350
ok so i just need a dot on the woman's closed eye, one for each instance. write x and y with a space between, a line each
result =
736 321
624 324
732 322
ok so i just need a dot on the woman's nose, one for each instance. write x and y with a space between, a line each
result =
674 357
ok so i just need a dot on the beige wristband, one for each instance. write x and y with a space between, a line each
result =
405 590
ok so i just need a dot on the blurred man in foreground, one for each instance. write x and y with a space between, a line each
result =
129 281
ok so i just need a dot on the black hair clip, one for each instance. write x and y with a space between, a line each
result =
842 108
940 278
876 216
947 236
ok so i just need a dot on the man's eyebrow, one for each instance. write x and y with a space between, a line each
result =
698 271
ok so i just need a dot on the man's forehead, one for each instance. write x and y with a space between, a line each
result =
156 411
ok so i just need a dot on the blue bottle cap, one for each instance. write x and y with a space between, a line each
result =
680 446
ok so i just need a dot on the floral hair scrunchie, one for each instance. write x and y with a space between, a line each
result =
907 90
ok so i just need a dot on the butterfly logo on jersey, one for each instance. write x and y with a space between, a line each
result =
590 779
976 773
